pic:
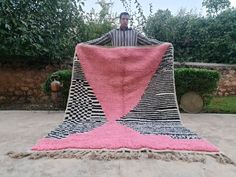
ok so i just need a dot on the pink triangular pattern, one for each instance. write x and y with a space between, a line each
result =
119 80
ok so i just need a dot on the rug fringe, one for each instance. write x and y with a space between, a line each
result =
122 154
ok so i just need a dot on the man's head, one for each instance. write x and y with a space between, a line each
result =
124 19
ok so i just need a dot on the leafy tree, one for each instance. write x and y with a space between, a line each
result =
137 17
40 29
98 23
214 7
196 38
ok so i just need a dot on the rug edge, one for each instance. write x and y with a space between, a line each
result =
107 155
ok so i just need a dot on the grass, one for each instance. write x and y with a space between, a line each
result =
225 104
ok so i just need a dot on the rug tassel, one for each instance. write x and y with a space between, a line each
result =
123 154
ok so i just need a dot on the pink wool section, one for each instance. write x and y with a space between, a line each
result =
114 136
119 76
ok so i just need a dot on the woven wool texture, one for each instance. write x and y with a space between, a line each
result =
123 97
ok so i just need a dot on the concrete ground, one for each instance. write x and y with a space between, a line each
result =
20 130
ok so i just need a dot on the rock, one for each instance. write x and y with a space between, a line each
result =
231 72
18 84
11 89
31 99
44 98
2 98
13 98
30 92
1 90
21 99
227 83
222 90
30 80
24 88
18 92
35 91
234 83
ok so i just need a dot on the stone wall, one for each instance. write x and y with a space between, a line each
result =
227 83
21 85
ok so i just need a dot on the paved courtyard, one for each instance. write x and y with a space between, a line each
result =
20 130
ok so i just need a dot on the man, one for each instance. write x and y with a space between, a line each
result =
123 36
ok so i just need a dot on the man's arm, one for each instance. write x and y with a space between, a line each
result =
104 39
142 40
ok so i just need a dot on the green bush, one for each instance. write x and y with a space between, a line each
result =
64 76
202 81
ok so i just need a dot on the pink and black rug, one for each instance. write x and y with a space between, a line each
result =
122 104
